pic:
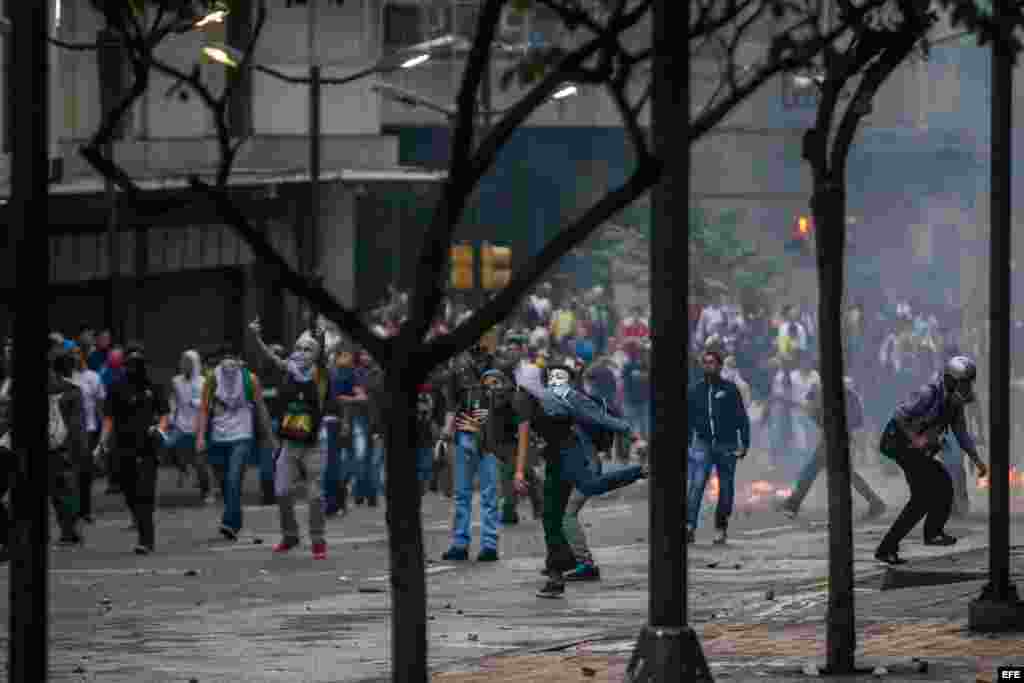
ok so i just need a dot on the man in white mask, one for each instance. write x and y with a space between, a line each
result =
568 421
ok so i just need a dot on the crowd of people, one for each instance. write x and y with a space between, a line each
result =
312 414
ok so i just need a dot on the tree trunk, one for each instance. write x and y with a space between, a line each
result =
829 207
405 530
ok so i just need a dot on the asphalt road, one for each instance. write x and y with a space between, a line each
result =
205 609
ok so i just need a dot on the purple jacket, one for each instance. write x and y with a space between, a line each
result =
927 409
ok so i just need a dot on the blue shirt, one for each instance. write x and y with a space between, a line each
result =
928 408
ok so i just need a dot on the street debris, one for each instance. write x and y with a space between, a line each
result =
769 594
344 578
257 541
880 671
811 670
473 637
191 572
588 672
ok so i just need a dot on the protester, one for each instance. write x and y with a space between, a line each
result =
133 407
720 429
911 437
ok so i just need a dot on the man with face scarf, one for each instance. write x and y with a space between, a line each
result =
134 405
567 420
187 398
302 391
468 424
226 431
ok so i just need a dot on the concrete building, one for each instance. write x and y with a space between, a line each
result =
918 173
181 278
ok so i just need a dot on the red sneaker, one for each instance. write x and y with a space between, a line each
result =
285 545
320 551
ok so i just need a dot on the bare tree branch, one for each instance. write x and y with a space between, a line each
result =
428 295
629 120
899 49
798 56
345 317
446 346
72 46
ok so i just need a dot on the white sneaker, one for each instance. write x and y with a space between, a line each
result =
721 537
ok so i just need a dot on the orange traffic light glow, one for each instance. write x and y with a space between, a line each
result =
804 226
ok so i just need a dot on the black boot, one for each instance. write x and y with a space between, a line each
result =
144 513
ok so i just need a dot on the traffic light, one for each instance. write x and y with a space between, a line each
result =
462 267
803 228
495 266
800 241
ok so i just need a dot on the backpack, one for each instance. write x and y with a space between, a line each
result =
58 428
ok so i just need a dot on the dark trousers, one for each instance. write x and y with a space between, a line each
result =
6 474
137 471
560 557
63 496
86 474
931 498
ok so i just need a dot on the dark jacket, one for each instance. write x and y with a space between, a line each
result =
72 407
928 409
717 415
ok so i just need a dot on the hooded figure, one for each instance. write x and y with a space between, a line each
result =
188 391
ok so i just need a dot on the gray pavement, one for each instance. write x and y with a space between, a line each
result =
246 615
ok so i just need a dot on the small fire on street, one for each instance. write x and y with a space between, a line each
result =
755 492
1016 481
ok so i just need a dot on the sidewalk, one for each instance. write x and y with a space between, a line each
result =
893 626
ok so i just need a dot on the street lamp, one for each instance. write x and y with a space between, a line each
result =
412 99
406 58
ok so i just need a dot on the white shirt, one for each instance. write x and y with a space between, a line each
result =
187 396
93 392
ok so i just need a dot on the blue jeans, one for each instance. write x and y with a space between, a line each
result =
469 464
701 458
579 468
228 459
332 473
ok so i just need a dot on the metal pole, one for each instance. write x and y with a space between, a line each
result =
668 650
998 608
113 252
313 235
999 311
29 628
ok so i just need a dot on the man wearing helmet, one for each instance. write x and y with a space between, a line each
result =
912 437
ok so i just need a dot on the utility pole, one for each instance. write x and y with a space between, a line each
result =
313 236
668 650
998 608
27 658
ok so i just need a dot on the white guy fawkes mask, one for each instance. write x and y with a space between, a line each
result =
558 381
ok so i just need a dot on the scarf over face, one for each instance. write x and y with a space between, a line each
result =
230 384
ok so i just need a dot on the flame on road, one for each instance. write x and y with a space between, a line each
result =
754 492
1016 480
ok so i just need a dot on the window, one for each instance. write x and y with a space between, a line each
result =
303 3
402 25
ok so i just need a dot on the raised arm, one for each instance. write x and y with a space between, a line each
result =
278 362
